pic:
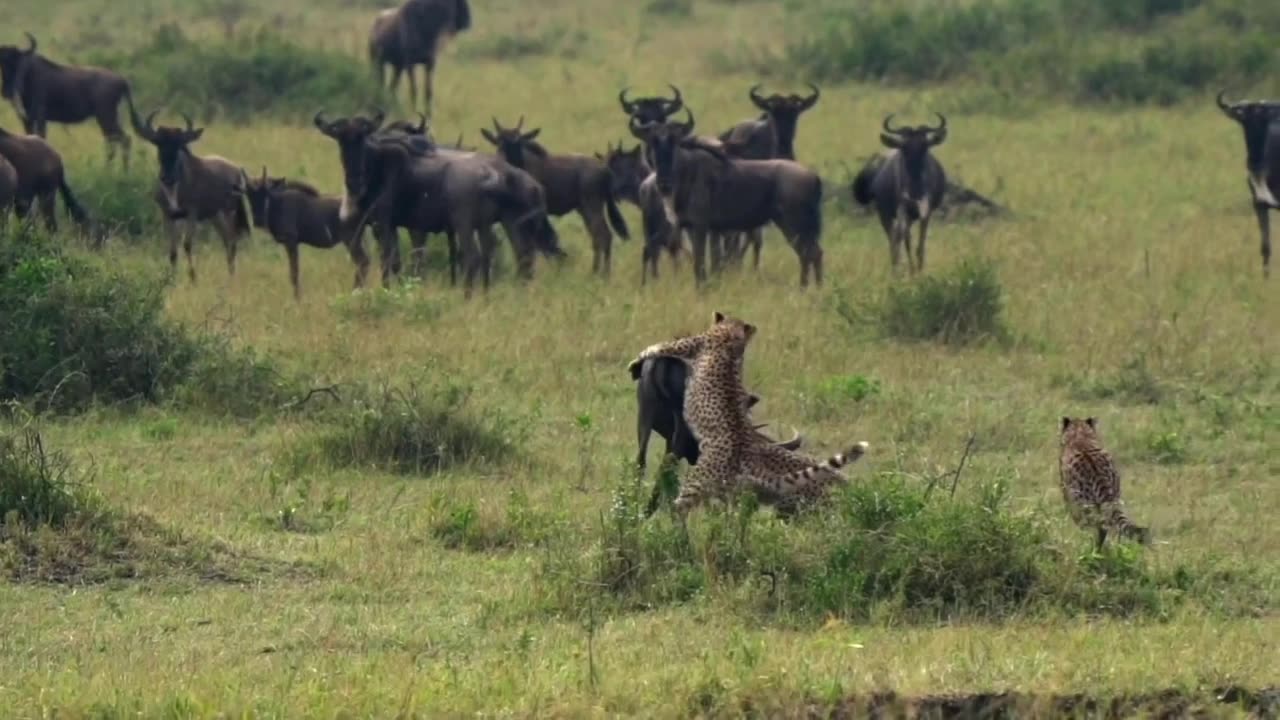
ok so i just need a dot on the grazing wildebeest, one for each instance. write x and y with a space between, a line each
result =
708 192
295 213
395 181
413 34
43 91
634 181
1260 121
907 187
195 189
573 183
660 388
41 177
772 135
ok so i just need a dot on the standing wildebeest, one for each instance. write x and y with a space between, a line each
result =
8 189
194 189
1260 121
397 181
413 34
708 192
43 91
40 178
297 214
651 109
660 388
907 187
573 183
772 135
634 181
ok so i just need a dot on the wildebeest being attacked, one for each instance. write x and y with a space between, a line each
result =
708 192
295 213
39 178
195 189
907 187
573 183
660 388
413 34
43 91
1260 121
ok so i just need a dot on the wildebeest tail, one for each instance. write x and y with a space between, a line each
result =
616 220
862 184
461 16
812 221
74 208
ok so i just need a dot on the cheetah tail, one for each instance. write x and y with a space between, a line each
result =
835 462
1126 528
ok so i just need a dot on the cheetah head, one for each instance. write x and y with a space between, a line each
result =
731 329
1073 428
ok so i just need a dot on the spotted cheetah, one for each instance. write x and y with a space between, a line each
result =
731 453
1091 483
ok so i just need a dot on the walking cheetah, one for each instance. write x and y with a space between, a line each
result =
1091 483
730 452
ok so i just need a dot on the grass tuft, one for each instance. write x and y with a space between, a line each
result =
961 305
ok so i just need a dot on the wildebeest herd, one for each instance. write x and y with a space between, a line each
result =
720 191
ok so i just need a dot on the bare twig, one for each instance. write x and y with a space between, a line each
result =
331 391
968 447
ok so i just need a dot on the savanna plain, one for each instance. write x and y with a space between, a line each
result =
456 527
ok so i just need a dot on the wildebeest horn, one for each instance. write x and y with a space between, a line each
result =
942 123
378 117
497 126
264 174
687 126
809 101
520 124
1229 109
755 96
31 40
244 176
673 105
321 123
422 124
891 130
190 126
144 128
627 106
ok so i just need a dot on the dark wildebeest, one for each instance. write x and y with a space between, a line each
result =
907 187
660 388
1260 121
708 192
633 181
43 91
40 178
413 34
395 181
294 213
651 109
8 189
573 183
195 189
772 135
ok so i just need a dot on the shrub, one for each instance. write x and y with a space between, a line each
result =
121 203
671 8
963 304
240 78
35 487
418 430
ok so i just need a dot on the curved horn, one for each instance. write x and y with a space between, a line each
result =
187 120
687 126
322 124
520 123
264 174
754 94
422 124
812 99
627 106
1229 109
144 128
496 125
31 41
794 442
673 105
942 123
891 130
638 128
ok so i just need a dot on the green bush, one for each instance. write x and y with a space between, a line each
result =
35 488
963 304
241 78
121 203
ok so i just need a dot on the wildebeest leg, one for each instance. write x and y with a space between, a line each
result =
489 246
890 225
396 70
361 259
413 89
388 250
188 236
48 208
717 251
1264 226
756 239
698 237
418 241
924 234
428 85
453 257
601 240
223 224
291 249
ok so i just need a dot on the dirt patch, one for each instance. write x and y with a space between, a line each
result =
1222 702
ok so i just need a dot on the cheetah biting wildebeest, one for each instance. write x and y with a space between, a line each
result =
1091 483
731 454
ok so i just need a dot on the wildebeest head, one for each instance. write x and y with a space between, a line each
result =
651 109
662 140
172 149
512 143
351 134
259 192
784 111
627 169
12 58
1256 118
913 144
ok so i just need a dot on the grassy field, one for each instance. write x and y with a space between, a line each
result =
1132 292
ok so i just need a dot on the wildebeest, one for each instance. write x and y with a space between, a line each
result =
8 188
660 388
573 183
907 187
195 189
413 34
397 181
40 178
295 213
633 180
772 135
709 192
43 91
651 109
1260 121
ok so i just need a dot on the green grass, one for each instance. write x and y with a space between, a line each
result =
1128 284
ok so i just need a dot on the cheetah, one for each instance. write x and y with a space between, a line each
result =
1091 483
731 453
